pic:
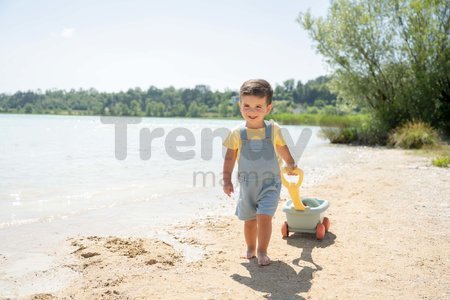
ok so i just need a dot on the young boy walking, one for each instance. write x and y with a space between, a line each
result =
256 145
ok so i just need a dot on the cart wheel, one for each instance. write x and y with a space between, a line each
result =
326 223
284 229
320 231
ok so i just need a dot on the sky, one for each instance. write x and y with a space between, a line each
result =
113 45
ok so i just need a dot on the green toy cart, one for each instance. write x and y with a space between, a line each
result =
303 215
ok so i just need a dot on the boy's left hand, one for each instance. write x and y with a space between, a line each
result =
290 169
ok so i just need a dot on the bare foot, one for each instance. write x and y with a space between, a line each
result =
249 254
263 259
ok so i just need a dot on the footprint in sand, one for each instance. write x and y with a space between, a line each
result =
89 254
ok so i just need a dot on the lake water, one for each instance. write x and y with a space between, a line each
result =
59 178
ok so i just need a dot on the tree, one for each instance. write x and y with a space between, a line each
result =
391 55
223 109
179 110
196 110
136 108
297 94
282 107
28 108
155 109
285 91
120 109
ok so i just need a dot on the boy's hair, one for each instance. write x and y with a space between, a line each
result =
257 87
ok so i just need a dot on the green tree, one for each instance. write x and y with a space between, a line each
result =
285 91
28 108
196 110
155 109
121 109
223 109
393 56
179 110
282 106
136 108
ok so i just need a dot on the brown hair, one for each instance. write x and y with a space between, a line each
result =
257 87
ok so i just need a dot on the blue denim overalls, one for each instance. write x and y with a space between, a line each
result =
258 175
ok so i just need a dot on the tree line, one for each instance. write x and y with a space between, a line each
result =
199 101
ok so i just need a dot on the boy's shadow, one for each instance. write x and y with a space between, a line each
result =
280 280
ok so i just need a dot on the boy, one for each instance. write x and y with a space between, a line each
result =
256 146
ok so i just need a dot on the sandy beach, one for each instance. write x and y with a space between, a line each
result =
389 239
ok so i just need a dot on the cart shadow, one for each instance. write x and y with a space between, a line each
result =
307 242
280 280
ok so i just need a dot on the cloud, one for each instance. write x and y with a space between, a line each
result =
67 32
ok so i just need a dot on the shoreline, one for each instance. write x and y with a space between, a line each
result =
302 119
387 239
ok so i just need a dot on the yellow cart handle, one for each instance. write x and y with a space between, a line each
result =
294 187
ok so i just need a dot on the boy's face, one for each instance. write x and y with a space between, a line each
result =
253 110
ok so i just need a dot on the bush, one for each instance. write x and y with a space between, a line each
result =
339 135
366 131
443 161
312 110
414 135
372 133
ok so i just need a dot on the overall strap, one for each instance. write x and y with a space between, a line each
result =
243 133
269 126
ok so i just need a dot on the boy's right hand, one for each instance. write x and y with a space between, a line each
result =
228 188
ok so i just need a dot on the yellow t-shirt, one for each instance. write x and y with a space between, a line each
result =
233 141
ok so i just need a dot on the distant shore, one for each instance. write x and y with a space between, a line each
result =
389 237
285 118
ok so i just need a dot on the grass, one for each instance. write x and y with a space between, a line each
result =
414 135
441 161
439 155
319 119
284 118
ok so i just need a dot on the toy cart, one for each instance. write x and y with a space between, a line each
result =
303 215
